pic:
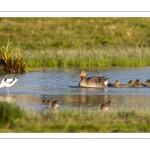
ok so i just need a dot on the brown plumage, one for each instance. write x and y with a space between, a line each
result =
53 103
100 82
105 106
118 84
148 82
131 83
138 83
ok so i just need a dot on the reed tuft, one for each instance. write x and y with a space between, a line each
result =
11 60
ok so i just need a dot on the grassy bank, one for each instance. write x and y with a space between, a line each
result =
73 121
79 41
103 57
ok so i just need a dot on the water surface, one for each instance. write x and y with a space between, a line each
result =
61 84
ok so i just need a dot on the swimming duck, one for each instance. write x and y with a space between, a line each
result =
100 82
138 83
131 83
105 106
148 82
118 84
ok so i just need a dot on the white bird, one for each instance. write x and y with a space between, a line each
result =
8 83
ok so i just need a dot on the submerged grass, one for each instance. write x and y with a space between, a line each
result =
14 119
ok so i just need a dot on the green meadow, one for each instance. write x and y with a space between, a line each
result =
15 119
79 41
75 42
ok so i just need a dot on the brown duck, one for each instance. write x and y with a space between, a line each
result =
148 82
138 83
105 106
118 84
53 103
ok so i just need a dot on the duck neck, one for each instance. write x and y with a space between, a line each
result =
83 79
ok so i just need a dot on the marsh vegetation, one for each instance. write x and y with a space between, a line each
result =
79 41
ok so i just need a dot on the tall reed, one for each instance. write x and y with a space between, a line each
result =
11 59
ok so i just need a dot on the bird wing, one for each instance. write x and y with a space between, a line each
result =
8 80
96 80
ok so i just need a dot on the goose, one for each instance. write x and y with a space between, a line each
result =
118 84
8 82
105 106
100 82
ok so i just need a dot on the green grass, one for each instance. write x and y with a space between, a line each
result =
79 41
14 119
103 57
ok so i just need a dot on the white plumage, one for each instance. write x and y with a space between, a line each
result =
8 83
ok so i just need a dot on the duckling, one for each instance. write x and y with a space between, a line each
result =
118 84
148 82
100 82
138 83
131 83
105 106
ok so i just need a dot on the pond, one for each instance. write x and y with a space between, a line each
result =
61 84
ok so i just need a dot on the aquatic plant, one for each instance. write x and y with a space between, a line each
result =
11 60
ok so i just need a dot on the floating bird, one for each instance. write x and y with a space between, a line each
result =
8 83
105 106
53 103
138 83
148 82
131 83
100 82
118 84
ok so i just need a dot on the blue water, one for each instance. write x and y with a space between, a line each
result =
61 84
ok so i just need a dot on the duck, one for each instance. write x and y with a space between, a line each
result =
100 82
138 83
148 82
105 106
118 84
8 82
131 83
53 103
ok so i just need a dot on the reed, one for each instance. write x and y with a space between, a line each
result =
103 57
11 59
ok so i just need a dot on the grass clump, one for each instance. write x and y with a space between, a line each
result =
11 59
14 119
10 115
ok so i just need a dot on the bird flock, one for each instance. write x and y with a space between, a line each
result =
98 82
